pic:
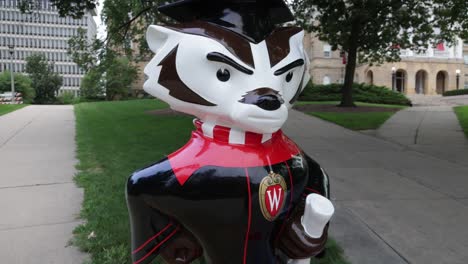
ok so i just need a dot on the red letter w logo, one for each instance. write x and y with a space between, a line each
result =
272 196
274 199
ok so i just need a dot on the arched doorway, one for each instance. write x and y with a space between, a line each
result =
421 82
400 82
370 78
442 82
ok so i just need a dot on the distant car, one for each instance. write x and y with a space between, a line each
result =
9 97
6 97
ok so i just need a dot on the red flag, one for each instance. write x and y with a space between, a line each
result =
344 57
441 46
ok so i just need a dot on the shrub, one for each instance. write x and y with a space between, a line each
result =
92 85
45 81
361 93
456 92
67 98
120 74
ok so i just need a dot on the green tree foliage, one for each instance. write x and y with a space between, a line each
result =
73 8
119 75
452 17
45 81
375 31
82 51
107 71
126 21
113 77
23 85
92 85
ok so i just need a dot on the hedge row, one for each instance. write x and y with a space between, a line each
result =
456 92
361 93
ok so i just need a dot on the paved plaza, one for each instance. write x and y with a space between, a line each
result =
397 202
438 100
39 201
433 130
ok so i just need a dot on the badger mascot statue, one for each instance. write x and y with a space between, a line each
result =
240 191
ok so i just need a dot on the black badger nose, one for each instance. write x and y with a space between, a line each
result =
265 98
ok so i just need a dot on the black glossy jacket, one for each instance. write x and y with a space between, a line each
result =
219 206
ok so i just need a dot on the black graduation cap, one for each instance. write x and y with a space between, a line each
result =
254 20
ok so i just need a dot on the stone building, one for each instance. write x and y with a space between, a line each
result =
465 62
137 85
41 32
433 72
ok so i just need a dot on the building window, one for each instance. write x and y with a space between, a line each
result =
327 52
466 59
326 80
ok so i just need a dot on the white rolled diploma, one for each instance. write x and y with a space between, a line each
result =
317 213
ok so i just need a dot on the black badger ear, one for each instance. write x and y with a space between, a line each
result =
170 79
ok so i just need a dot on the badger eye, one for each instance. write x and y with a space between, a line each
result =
223 75
289 76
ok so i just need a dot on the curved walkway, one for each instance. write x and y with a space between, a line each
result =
438 100
394 204
434 130
39 203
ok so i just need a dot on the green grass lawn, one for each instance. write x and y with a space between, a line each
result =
462 113
356 121
5 109
114 139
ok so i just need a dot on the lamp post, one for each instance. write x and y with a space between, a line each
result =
393 78
11 47
458 78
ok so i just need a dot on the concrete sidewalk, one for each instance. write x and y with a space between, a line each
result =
394 204
434 130
39 203
438 100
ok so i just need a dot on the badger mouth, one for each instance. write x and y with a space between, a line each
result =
265 98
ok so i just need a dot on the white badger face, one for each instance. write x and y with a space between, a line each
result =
222 78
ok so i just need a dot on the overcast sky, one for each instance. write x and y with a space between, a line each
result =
101 27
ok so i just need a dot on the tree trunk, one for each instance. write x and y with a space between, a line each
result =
347 93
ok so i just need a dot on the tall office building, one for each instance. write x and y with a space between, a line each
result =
42 31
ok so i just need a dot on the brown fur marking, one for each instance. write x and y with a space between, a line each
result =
169 78
278 43
235 43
